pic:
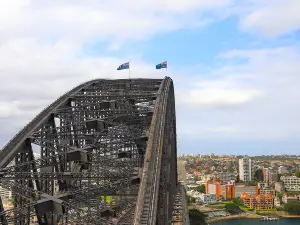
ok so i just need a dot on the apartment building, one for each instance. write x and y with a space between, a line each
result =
274 177
267 174
264 189
291 183
249 200
265 202
267 192
246 169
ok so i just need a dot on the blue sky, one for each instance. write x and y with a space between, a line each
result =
235 63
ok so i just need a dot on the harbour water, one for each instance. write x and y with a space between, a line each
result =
258 222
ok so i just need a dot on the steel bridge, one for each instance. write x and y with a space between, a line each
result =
107 156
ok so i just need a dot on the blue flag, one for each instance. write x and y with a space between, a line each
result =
124 66
162 65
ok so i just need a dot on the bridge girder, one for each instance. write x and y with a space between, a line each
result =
104 138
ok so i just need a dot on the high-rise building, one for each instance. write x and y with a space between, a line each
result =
246 170
267 173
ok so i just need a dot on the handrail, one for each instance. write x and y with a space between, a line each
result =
152 157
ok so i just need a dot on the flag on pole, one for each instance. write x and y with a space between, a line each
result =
162 65
124 66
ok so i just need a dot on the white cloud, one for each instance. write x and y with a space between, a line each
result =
8 109
268 81
117 20
271 17
219 97
222 92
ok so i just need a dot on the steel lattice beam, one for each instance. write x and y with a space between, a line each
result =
114 138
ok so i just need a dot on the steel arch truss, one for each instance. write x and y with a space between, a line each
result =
107 155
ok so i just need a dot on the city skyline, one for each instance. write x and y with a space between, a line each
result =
234 64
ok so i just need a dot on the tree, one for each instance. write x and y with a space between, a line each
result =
200 188
298 174
197 217
238 201
230 168
278 177
214 164
237 180
258 175
191 199
292 207
231 206
279 195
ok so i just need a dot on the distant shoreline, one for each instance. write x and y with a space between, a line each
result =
249 216
289 216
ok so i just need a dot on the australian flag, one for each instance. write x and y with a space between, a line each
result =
124 66
162 65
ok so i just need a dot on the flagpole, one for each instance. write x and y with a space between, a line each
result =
167 67
129 69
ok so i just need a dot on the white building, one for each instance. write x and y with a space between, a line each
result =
291 183
207 198
246 171
282 170
277 202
